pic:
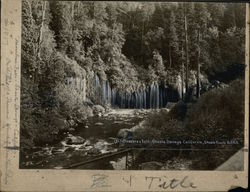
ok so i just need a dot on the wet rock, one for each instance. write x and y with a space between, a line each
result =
108 108
118 122
153 165
98 110
125 133
165 110
71 122
74 140
58 150
98 123
94 151
71 129
87 143
136 113
101 144
223 85
87 148
104 151
70 150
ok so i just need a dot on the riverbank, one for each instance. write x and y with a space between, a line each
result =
200 122
87 141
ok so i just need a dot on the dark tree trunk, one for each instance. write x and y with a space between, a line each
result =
170 57
182 73
41 30
186 46
198 66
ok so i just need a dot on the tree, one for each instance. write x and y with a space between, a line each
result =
41 29
186 45
202 17
158 64
61 24
229 19
173 42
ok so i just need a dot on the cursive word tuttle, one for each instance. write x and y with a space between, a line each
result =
165 183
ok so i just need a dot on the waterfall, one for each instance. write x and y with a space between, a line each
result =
154 96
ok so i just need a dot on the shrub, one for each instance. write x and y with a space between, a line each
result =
70 103
40 127
160 125
218 115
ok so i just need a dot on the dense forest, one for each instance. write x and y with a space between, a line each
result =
125 46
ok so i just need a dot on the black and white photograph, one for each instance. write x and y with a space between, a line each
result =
123 85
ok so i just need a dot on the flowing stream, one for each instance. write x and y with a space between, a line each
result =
98 135
96 138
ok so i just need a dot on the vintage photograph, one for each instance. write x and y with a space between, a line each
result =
132 85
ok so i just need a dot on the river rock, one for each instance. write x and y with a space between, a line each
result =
94 151
71 122
87 143
98 110
124 133
69 149
98 123
71 129
101 145
74 140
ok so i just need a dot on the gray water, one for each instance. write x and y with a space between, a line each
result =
99 134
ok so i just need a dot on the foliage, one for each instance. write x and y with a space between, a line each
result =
163 124
217 116
128 44
71 104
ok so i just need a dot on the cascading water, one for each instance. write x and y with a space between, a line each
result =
155 96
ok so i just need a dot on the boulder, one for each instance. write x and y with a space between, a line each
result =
94 151
101 144
70 150
125 133
71 129
98 109
98 123
71 140
87 143
128 133
71 122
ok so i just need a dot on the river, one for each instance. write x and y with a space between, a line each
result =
99 134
